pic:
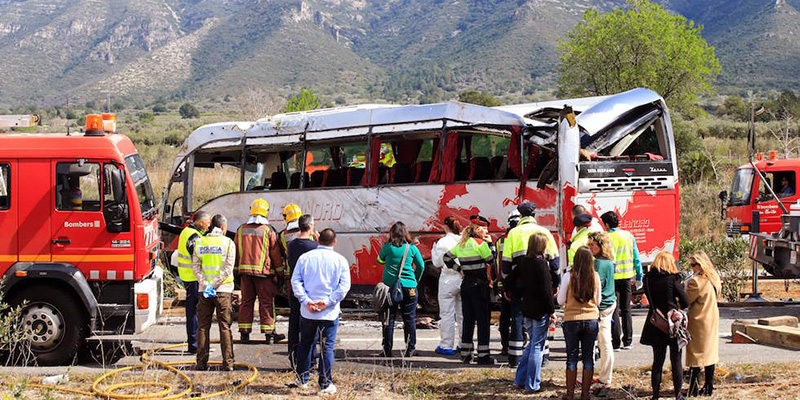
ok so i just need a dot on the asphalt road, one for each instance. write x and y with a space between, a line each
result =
359 343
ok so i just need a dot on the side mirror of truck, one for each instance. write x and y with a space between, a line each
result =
115 209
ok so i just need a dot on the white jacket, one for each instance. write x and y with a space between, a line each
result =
442 246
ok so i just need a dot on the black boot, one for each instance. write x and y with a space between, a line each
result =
708 387
244 337
694 382
275 337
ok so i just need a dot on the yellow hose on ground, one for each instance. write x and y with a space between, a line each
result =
166 390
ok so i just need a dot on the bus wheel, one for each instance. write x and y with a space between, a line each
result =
56 323
428 296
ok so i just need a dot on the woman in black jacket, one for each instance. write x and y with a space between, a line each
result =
665 292
537 306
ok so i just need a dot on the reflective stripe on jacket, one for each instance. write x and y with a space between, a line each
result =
256 245
516 242
622 242
184 257
211 251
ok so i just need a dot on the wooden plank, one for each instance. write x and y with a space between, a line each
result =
780 336
783 320
740 325
741 338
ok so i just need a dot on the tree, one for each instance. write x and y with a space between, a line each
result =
643 46
256 103
188 111
479 98
303 101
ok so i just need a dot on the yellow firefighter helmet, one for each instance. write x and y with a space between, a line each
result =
291 212
259 207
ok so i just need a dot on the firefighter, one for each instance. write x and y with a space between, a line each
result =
505 304
470 256
260 265
212 263
197 227
628 266
514 249
291 215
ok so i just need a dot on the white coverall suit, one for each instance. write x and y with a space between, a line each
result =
449 294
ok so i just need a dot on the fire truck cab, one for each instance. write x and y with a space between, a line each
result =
749 193
79 239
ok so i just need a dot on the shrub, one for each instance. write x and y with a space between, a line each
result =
69 114
188 111
159 108
146 117
729 258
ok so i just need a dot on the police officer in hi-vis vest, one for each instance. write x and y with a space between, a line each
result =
212 264
628 266
197 227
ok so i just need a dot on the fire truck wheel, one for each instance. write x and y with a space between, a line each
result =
57 323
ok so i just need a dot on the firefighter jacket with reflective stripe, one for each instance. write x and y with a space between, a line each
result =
259 250
184 255
285 237
471 258
515 245
216 255
626 255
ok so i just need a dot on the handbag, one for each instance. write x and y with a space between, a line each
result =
396 292
657 318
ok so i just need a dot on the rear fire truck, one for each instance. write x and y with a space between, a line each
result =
79 239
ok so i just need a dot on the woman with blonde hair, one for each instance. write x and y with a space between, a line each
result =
600 245
469 257
580 294
662 286
703 350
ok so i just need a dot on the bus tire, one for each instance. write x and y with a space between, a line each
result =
57 320
428 287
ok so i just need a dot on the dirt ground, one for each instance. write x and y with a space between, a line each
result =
775 290
741 381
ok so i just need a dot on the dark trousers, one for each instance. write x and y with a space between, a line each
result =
659 355
191 315
294 333
516 343
205 312
579 337
408 310
475 305
263 288
505 322
310 330
622 324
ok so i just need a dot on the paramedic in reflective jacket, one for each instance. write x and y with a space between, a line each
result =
470 256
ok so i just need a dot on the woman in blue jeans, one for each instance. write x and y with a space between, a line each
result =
537 306
580 295
398 248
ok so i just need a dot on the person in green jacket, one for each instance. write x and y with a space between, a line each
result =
600 245
401 250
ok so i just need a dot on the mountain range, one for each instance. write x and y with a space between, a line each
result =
63 51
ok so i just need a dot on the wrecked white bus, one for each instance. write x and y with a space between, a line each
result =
359 169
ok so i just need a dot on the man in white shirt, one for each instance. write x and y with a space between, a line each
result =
320 281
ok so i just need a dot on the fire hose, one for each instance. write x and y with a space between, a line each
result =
166 391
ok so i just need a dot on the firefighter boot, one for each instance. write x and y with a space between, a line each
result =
275 337
244 337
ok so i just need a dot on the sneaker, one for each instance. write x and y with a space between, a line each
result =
466 359
444 352
244 338
300 385
627 347
331 389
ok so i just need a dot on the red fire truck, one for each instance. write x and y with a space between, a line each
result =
753 192
79 239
